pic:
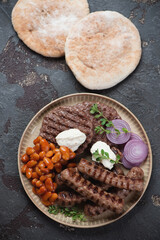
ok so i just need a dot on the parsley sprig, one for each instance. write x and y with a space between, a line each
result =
74 212
105 155
104 122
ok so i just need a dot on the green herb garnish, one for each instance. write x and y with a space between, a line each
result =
125 130
105 155
104 122
74 212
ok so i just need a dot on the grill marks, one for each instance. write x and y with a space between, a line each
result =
90 191
64 118
69 199
76 116
110 178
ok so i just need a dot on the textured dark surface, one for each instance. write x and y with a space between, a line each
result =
29 81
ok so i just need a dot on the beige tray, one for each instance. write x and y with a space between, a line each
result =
32 131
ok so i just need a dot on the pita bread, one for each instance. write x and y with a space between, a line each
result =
102 49
43 25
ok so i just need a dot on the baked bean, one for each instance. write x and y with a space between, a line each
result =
44 177
46 203
44 145
34 156
29 150
52 146
63 162
35 175
46 161
46 196
49 184
41 164
34 181
23 168
31 163
54 186
49 154
71 165
37 140
38 171
58 167
56 158
56 150
25 158
29 172
53 197
42 154
37 147
50 166
44 170
34 190
41 190
39 184
65 152
72 155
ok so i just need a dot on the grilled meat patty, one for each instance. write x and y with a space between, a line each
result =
64 118
108 112
108 177
92 192
76 116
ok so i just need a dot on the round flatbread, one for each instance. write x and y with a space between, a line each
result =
102 49
43 25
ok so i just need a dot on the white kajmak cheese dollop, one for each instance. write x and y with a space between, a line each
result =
71 138
99 145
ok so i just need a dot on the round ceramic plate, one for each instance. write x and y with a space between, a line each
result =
32 131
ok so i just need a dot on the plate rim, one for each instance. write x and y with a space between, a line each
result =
109 99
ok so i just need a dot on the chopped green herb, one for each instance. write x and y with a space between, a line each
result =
112 161
74 212
117 131
125 130
104 121
105 155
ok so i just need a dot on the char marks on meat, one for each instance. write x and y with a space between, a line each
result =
109 112
108 177
92 210
92 192
76 116
64 118
69 199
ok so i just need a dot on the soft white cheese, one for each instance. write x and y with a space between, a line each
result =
71 138
102 145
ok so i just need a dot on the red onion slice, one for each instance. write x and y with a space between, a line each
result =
135 151
123 137
128 165
134 136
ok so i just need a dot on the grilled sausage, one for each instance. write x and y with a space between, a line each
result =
117 152
92 210
135 173
118 170
69 199
92 192
105 176
59 180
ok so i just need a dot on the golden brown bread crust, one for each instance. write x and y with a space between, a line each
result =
102 49
43 25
